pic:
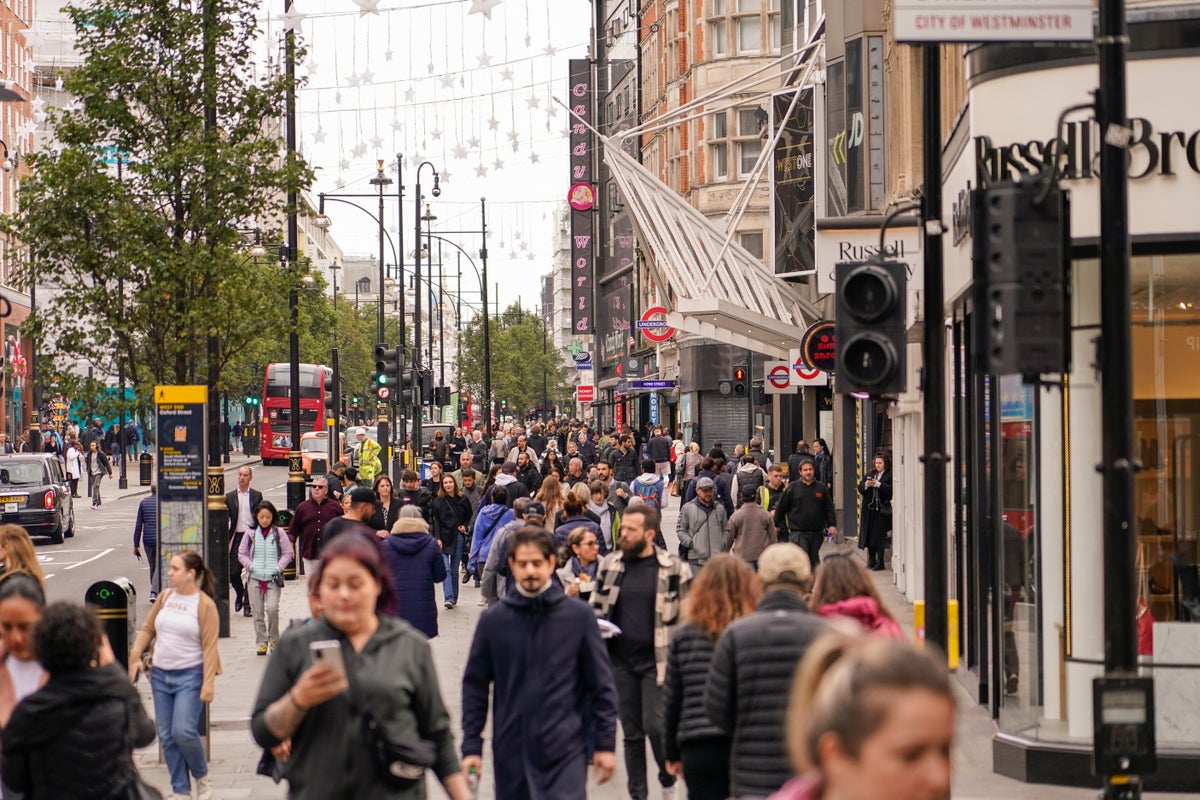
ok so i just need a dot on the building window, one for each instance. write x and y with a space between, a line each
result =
719 150
752 242
717 28
751 125
755 25
744 143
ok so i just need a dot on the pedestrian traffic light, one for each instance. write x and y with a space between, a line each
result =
870 326
427 387
441 396
737 385
1020 240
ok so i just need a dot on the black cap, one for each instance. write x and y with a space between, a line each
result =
361 495
749 492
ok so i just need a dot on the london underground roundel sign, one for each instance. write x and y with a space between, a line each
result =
780 377
653 324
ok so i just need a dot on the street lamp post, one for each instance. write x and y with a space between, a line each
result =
416 359
381 180
428 219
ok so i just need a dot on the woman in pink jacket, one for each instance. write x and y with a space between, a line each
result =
844 588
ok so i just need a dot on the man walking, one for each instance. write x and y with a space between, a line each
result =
751 672
98 468
309 520
658 450
639 588
806 511
624 460
240 504
145 531
541 653
702 527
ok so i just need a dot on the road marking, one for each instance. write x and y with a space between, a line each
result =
93 558
51 575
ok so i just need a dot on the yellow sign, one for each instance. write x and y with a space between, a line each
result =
167 395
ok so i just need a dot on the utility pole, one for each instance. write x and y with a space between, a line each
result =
934 457
295 486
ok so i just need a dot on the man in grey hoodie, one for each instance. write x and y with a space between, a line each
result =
703 526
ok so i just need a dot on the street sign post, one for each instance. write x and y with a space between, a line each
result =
182 426
653 324
777 378
993 20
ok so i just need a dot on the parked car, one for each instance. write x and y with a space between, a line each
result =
34 494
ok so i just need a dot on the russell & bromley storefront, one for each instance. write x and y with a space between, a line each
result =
1026 540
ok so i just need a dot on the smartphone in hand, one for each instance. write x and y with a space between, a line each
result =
328 652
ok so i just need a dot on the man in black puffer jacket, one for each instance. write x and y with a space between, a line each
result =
752 669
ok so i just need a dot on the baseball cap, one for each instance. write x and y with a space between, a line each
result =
749 492
784 563
535 509
362 495
704 483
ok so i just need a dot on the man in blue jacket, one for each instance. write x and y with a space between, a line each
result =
541 653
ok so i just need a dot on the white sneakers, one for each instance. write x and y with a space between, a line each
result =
204 788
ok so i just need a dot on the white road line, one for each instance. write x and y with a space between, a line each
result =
93 558
51 575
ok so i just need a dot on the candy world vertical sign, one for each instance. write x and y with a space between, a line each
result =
582 199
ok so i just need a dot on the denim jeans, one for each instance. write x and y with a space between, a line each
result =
450 585
177 709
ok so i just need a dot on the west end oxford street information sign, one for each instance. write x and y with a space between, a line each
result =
993 20
182 426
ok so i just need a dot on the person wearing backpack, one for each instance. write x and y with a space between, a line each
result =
748 475
650 486
263 555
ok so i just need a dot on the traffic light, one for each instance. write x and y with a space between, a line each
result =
387 372
331 395
1021 272
870 326
441 396
251 401
737 385
427 387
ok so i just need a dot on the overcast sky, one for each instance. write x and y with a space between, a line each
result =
474 96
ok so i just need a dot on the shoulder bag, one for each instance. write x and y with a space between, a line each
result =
400 764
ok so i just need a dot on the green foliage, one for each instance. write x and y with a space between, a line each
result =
517 360
149 251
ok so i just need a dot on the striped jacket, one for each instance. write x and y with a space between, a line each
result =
674 578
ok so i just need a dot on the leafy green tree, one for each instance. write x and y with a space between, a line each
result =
138 214
517 358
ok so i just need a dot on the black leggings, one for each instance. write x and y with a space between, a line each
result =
706 768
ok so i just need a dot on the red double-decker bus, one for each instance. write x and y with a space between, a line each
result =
277 408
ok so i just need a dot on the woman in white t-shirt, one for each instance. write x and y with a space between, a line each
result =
21 602
74 459
183 628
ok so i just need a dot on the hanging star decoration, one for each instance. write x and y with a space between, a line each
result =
344 164
506 74
359 150
473 142
38 104
367 7
435 134
367 76
337 97
319 135
353 80
376 141
341 183
481 171
550 50
533 101
532 257
498 164
447 81
409 94
533 158
459 151
292 19
484 59
483 7
551 112
311 67
493 123
512 255
396 125
444 175
513 138
387 55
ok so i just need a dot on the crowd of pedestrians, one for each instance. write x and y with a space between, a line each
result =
594 630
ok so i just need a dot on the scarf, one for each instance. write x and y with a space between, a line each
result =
579 569
535 593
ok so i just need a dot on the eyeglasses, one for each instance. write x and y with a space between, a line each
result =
589 543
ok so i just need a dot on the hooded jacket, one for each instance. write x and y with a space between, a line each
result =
751 530
647 485
513 486
393 675
491 518
555 701
75 736
865 611
571 523
702 530
416 564
720 490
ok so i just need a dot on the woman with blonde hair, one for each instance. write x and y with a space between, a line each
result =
550 496
870 717
16 554
724 590
844 589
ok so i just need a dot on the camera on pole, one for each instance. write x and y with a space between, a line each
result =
1022 279
870 326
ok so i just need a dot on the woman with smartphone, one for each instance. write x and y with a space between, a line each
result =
182 632
332 685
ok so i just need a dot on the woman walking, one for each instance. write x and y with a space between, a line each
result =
844 589
182 628
74 459
266 549
387 505
580 559
21 603
98 468
876 490
450 513
388 677
696 750
416 563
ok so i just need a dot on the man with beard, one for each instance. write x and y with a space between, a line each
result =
639 588
527 473
549 757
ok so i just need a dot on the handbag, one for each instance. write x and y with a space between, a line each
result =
270 766
401 764
1145 617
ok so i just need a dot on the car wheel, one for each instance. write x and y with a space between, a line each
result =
70 531
57 535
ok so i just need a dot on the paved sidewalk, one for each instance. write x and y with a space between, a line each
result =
235 756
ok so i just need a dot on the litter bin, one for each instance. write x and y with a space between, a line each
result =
145 469
114 602
285 520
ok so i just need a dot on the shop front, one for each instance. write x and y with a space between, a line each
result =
1027 562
